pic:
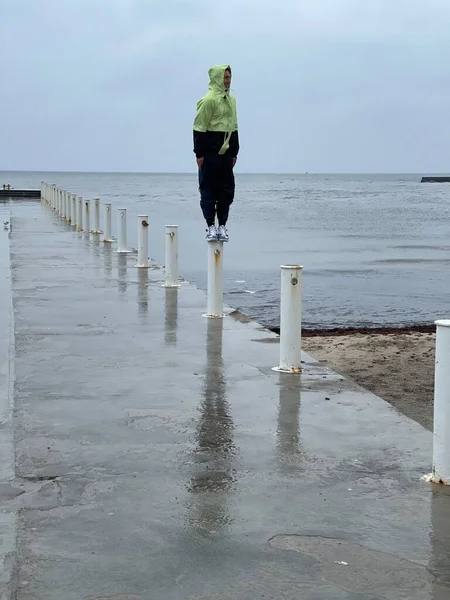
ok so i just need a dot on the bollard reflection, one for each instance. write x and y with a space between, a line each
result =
142 294
290 454
439 563
86 240
96 249
122 273
214 476
171 316
107 259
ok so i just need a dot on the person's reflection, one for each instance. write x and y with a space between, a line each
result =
290 455
213 479
122 275
107 259
439 564
142 294
171 317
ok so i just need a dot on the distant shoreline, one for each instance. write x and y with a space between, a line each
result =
189 172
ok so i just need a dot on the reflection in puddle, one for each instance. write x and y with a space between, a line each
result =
290 454
96 251
142 294
215 452
122 274
171 316
86 239
107 259
439 563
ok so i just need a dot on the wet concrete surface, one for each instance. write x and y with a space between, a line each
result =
158 456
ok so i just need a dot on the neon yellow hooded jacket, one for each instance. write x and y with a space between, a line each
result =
216 118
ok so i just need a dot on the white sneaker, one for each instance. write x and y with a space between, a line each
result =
222 234
212 234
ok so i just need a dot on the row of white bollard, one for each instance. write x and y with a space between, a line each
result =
77 212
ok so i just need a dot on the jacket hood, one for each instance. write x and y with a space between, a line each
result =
216 74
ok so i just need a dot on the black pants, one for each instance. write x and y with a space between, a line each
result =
216 181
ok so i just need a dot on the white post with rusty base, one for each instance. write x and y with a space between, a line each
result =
63 205
79 213
69 208
108 236
74 211
54 196
291 320
142 258
441 429
87 216
122 225
96 228
214 302
171 270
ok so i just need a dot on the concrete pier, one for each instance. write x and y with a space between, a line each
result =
148 453
12 193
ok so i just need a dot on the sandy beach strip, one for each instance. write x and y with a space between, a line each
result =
395 364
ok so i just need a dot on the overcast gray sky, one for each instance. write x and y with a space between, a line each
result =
321 85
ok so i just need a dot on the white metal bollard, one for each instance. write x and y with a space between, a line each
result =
291 320
142 260
108 236
68 203
87 216
441 429
60 202
69 207
122 225
171 271
74 211
79 213
96 228
63 204
214 307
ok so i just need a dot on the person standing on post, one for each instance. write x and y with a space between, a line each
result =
216 146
